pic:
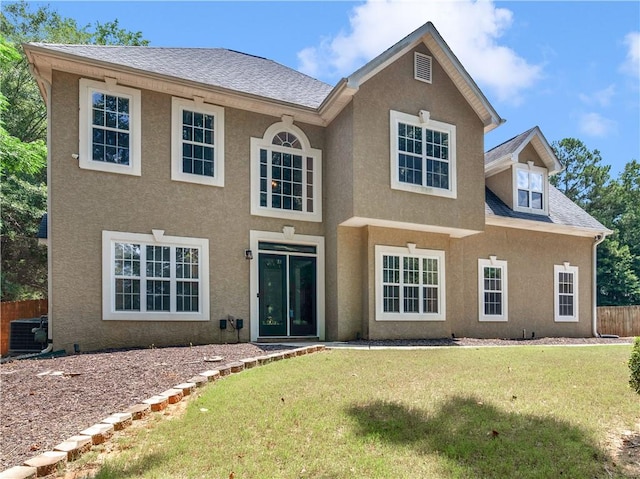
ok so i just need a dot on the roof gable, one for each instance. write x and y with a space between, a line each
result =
428 35
504 155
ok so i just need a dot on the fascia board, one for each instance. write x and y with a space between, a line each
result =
463 81
357 221
517 223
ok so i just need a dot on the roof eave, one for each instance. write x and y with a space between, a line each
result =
531 225
44 61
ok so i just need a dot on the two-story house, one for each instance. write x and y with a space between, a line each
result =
192 185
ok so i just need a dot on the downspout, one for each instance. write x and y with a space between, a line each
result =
594 287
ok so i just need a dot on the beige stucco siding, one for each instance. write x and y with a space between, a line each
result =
394 88
338 202
530 257
85 202
502 185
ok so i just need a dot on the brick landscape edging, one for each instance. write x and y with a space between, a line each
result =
55 461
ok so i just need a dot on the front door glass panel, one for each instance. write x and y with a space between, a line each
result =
302 295
273 294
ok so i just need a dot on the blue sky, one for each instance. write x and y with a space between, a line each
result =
572 68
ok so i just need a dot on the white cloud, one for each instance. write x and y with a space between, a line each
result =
471 28
594 124
631 64
601 97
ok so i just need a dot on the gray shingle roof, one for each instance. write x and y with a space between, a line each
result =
217 67
506 148
562 211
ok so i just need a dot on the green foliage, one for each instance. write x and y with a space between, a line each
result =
24 262
23 133
634 366
618 282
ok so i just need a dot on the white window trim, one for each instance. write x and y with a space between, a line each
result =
422 120
288 235
110 238
411 251
265 143
85 161
494 263
178 105
529 167
565 268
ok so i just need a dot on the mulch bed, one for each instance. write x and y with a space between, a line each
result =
41 410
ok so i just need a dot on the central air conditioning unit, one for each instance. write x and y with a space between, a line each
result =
22 338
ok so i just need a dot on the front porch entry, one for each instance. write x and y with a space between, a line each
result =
287 286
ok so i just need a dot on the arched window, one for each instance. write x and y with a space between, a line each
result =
286 174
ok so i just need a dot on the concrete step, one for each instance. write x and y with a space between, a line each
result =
75 447
138 411
119 420
98 433
173 395
48 462
19 472
157 403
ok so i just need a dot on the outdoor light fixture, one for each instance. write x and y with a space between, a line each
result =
248 254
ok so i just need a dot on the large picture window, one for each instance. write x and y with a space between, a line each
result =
109 128
159 278
565 292
286 175
492 290
197 134
409 284
423 154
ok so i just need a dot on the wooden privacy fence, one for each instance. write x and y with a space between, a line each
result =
623 321
12 310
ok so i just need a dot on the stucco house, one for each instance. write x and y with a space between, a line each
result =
188 186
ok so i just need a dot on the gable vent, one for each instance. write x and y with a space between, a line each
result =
422 67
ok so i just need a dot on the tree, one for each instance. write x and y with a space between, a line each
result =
27 117
23 136
584 179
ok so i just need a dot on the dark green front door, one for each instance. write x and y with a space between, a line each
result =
273 294
287 295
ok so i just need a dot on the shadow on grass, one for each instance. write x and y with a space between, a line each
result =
115 469
481 441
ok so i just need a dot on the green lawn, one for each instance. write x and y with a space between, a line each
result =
508 412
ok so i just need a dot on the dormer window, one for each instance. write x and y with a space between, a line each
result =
530 189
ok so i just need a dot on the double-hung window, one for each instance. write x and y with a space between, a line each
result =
286 175
492 290
409 284
154 277
565 292
530 192
423 154
197 135
109 128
